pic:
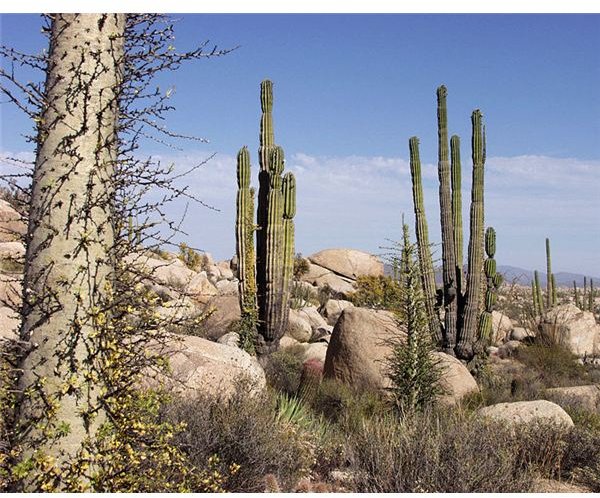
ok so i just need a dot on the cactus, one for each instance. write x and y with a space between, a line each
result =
446 222
266 144
265 276
289 211
244 228
536 309
538 293
475 254
554 291
548 276
591 297
493 283
576 295
425 262
456 183
462 308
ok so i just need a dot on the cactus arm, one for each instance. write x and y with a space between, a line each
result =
476 242
456 181
548 275
425 261
492 286
538 292
270 308
289 211
245 240
448 251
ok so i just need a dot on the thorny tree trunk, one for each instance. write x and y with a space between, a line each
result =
70 236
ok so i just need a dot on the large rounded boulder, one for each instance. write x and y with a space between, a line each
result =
576 329
456 382
200 365
359 346
12 226
348 263
526 412
319 276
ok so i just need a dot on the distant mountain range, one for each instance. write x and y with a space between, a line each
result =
524 277
563 278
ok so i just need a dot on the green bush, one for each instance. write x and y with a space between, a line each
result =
283 370
452 451
243 432
377 292
301 266
554 364
347 407
191 258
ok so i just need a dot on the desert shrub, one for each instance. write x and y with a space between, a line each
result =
301 266
191 258
301 296
283 370
510 384
9 360
378 292
346 406
246 436
584 419
157 251
554 364
324 294
582 456
452 452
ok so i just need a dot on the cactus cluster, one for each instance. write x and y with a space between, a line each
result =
493 282
539 304
585 302
264 279
538 300
461 299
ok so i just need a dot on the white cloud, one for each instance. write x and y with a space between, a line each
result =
358 202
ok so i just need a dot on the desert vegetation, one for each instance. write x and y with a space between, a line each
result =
126 366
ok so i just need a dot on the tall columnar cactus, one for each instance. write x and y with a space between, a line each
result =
576 295
270 310
456 177
554 291
584 294
536 309
462 308
289 211
548 275
475 254
591 297
538 293
244 228
446 222
266 144
494 281
265 279
425 261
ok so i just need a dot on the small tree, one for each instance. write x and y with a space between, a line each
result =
415 373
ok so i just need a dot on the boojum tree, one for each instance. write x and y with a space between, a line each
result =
85 312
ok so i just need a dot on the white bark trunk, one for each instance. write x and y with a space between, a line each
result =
68 261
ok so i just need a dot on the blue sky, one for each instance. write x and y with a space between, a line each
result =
349 92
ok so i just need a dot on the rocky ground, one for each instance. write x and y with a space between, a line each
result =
347 342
